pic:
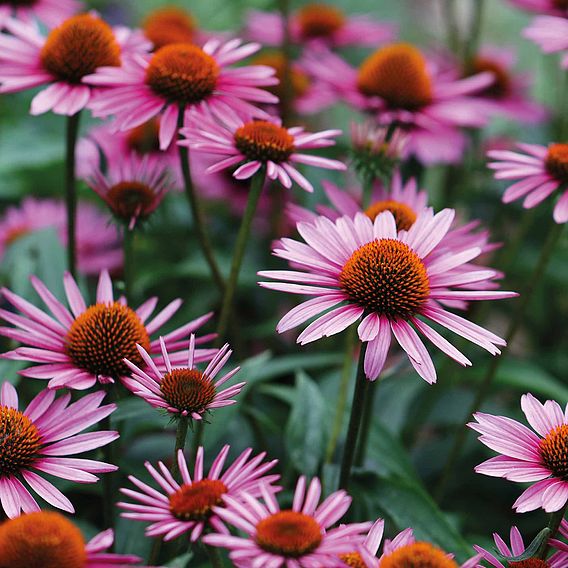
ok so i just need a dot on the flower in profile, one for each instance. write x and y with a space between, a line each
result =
182 76
50 540
301 536
508 95
539 171
393 280
134 188
184 391
39 439
559 559
98 242
195 504
256 143
77 348
318 22
397 85
71 51
50 12
550 33
540 459
169 24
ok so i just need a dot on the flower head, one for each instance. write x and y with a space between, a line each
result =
195 504
393 280
182 75
169 24
76 48
256 143
539 172
184 390
540 459
557 560
50 12
321 23
300 536
134 188
49 540
398 85
38 440
77 348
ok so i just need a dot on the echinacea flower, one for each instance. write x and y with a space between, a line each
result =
134 188
49 12
366 554
98 242
318 22
256 143
393 280
39 439
71 51
298 537
77 348
397 85
559 559
539 171
540 459
50 540
184 391
182 76
191 506
169 24
550 33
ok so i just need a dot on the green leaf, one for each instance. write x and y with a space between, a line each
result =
407 504
306 434
530 551
181 561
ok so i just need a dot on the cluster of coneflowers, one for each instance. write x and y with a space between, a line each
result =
376 262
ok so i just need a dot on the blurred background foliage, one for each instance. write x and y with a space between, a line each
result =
288 405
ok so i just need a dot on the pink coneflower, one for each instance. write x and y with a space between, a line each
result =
179 76
298 537
134 188
397 85
539 171
49 540
558 560
77 348
71 51
319 22
508 95
405 550
550 33
40 438
527 457
552 7
258 143
366 554
98 243
356 268
186 390
50 12
190 507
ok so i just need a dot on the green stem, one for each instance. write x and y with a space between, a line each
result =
359 396
181 436
453 34
198 217
128 270
350 338
553 524
366 422
487 381
367 191
472 46
197 439
214 557
155 552
72 131
240 247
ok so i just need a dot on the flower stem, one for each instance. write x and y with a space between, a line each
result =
214 557
367 191
556 519
359 396
181 436
255 190
344 380
472 45
197 211
366 422
487 381
72 131
453 34
128 270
